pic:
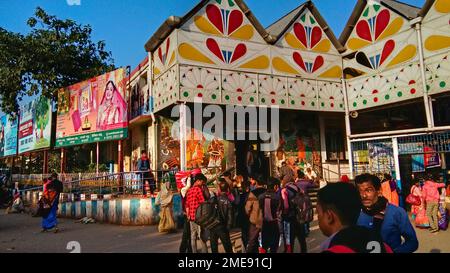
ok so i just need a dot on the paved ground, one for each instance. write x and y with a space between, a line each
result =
21 234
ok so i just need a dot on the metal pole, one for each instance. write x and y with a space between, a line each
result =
348 129
426 99
98 157
397 165
183 136
45 167
62 161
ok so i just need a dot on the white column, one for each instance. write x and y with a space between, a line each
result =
183 120
396 162
348 129
427 102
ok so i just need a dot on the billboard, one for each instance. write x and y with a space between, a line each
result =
92 111
35 125
8 136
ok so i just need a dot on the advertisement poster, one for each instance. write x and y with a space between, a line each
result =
8 136
35 125
418 163
381 158
92 111
432 159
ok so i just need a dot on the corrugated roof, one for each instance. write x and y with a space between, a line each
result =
407 10
280 26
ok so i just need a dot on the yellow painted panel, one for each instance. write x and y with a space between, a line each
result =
392 29
405 55
356 43
334 72
437 42
172 58
205 26
293 41
282 66
261 62
324 46
442 6
244 33
191 53
156 71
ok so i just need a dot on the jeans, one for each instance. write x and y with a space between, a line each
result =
198 232
253 239
186 246
292 230
224 235
432 214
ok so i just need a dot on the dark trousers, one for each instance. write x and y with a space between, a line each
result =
270 235
298 231
253 236
185 246
223 234
244 236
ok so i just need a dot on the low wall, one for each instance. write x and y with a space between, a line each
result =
128 211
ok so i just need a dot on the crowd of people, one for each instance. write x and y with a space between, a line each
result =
428 204
269 212
273 213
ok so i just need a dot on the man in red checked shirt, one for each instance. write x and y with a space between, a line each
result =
194 198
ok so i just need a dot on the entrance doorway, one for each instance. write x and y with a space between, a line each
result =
251 160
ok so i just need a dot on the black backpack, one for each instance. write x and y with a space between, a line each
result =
207 214
300 205
268 197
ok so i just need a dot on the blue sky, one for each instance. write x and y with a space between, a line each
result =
127 25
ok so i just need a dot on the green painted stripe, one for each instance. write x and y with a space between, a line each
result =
134 209
118 211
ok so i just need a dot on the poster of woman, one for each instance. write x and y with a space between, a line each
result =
113 108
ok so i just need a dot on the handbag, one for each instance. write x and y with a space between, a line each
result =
413 200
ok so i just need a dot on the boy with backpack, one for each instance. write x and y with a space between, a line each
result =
297 210
225 216
270 204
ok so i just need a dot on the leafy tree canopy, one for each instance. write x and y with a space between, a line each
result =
55 54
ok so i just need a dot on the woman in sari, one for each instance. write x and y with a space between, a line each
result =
421 219
165 201
113 108
49 207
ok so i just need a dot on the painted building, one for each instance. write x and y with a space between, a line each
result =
397 74
221 54
380 89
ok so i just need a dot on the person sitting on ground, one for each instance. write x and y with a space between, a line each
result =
338 208
17 205
390 221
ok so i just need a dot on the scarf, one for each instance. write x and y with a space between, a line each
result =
377 211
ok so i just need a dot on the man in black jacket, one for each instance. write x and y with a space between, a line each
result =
225 211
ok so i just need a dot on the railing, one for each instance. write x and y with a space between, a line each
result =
126 183
327 173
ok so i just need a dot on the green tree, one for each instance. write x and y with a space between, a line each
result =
55 54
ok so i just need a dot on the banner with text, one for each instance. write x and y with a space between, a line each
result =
93 111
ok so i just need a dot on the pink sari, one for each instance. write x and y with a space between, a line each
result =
420 212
